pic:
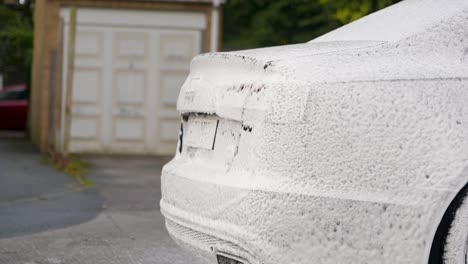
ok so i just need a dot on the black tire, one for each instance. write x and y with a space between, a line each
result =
439 247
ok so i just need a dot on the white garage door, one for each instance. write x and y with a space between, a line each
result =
129 67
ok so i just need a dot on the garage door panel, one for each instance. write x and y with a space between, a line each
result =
89 110
86 85
178 48
169 130
85 119
129 130
86 107
88 44
127 80
171 81
131 45
84 128
131 87
84 146
128 111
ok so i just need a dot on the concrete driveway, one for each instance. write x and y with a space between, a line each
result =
45 218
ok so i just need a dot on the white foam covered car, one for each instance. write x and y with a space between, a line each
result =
352 148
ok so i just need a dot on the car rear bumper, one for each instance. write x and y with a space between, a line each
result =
203 244
199 217
261 226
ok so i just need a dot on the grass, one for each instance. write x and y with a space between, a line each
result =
73 166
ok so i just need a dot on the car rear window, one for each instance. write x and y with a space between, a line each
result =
12 95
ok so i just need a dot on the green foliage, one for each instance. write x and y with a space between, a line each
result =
16 39
259 23
349 10
73 166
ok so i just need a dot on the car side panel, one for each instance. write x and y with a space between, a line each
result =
13 115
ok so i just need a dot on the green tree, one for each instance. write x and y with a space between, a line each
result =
16 39
259 23
349 10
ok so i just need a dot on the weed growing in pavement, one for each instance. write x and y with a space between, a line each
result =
73 166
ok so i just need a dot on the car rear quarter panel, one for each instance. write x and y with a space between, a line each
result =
353 155
361 171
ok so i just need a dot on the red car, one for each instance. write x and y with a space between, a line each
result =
13 108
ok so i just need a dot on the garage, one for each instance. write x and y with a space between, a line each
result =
125 75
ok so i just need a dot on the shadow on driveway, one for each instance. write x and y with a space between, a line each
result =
35 197
46 219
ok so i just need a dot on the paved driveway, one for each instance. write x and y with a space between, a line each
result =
46 219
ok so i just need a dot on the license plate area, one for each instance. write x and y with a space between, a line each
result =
200 131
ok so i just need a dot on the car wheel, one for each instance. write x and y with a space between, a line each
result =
450 245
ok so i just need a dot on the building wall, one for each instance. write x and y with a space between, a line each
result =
45 104
45 43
